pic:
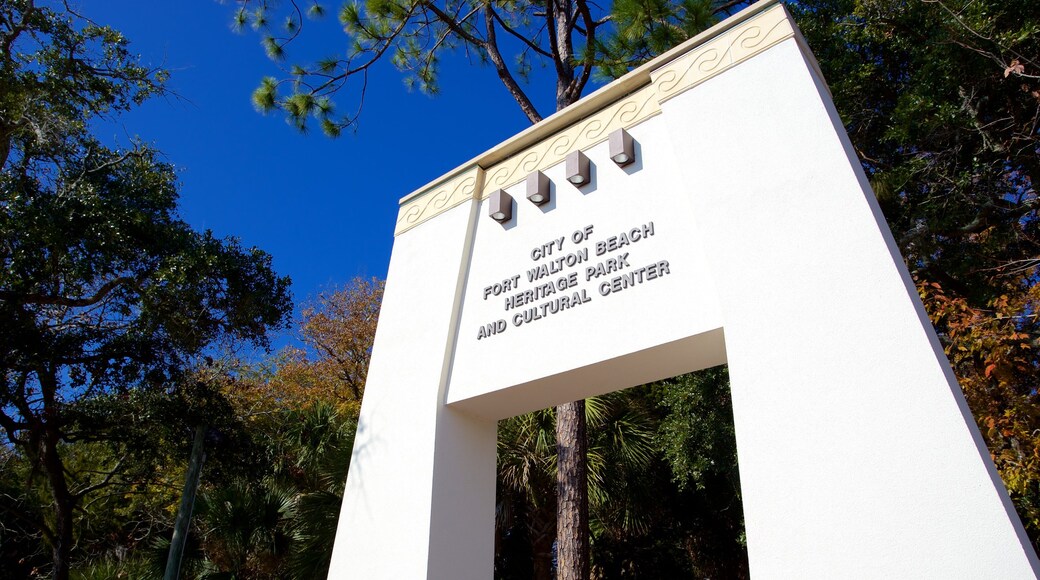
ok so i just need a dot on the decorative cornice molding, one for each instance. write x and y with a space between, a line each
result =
639 96
462 186
722 53
626 112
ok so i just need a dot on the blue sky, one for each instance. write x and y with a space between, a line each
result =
325 209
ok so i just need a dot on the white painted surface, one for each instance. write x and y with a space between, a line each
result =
858 457
419 499
531 366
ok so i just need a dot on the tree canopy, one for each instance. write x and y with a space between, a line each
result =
574 38
104 289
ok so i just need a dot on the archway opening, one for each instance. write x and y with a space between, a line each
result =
664 489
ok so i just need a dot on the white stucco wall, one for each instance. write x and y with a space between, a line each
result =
531 366
858 456
409 511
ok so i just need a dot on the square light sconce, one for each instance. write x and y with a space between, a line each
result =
538 188
500 206
622 150
577 168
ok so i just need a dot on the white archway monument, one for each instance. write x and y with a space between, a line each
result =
744 232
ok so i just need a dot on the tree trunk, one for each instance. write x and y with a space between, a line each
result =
182 524
572 493
45 441
562 12
64 504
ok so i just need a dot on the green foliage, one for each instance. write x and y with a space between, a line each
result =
114 522
696 434
274 50
259 18
104 291
240 19
265 96
57 75
620 448
679 515
316 11
114 568
664 492
647 28
414 36
940 99
942 103
280 524
245 536
22 504
95 248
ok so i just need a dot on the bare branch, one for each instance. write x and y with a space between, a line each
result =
454 25
530 44
725 8
503 71
578 84
107 480
957 18
45 300
17 30
11 427
32 522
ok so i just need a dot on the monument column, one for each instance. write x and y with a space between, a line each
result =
858 454
706 208
420 495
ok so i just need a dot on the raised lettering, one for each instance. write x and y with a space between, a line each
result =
491 328
581 235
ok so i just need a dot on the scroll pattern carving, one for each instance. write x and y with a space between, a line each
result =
441 197
726 50
721 53
583 134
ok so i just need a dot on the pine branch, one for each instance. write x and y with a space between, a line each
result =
456 27
578 84
521 37
503 71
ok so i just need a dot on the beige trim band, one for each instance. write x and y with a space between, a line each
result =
622 104
722 53
629 111
447 194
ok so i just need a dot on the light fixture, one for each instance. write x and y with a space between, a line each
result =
577 168
500 206
622 151
538 188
